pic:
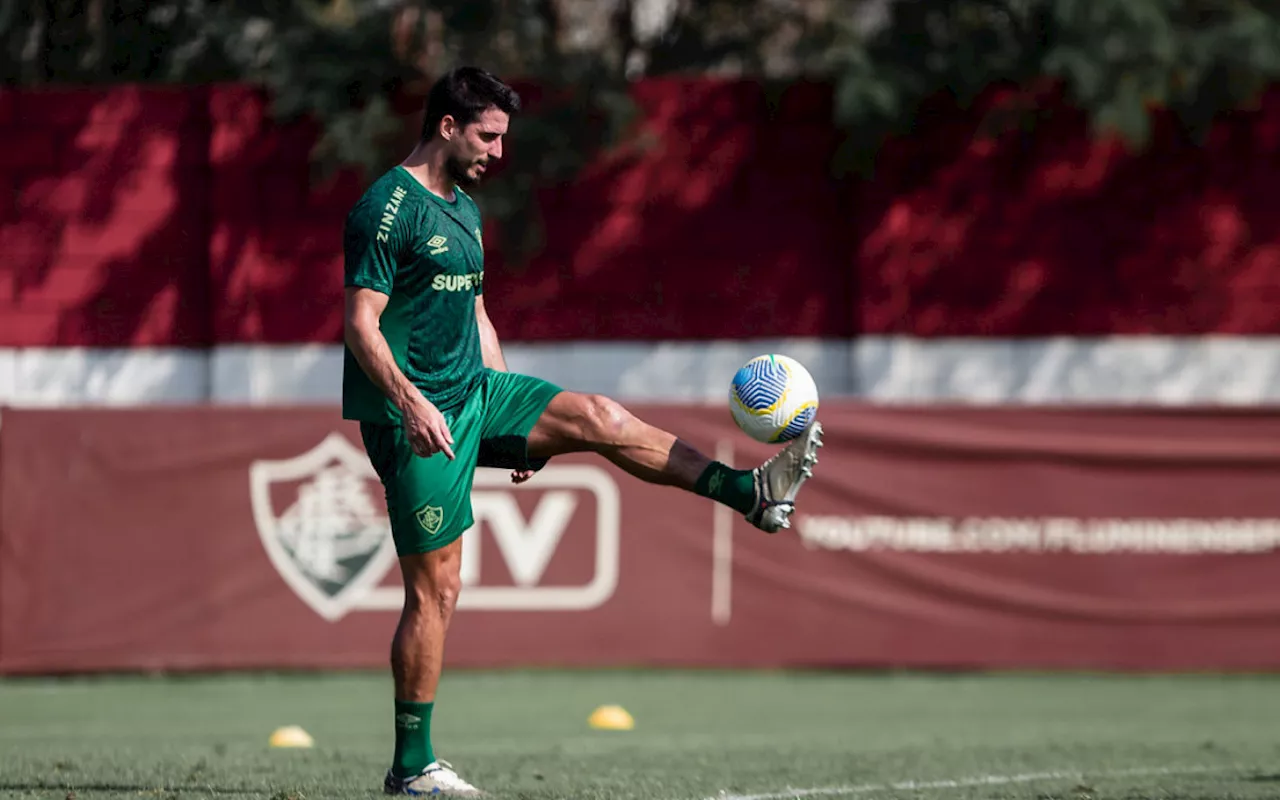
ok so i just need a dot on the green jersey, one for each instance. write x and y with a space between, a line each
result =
425 254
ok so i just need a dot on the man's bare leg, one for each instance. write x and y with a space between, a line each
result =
432 582
575 422
431 585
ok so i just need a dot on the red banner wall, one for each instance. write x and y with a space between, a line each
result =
215 538
183 217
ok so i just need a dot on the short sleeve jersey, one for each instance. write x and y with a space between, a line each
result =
426 254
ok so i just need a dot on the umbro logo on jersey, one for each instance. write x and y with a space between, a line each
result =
437 245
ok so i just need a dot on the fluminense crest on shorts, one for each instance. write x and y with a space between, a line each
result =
431 518
321 525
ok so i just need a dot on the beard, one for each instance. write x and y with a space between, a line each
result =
460 172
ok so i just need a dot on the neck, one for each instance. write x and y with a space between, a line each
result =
427 164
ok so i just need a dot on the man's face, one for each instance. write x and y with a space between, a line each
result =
471 148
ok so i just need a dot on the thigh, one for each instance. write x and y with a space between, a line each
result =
428 499
513 405
574 422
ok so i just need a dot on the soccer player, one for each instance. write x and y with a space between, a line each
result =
424 375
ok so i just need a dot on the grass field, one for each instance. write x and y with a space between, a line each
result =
697 735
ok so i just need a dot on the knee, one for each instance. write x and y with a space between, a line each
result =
437 592
448 587
603 419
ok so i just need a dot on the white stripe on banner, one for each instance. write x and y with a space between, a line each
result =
887 369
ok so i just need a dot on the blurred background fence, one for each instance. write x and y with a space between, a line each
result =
1030 251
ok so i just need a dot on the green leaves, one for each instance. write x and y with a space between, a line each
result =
329 65
345 62
1117 59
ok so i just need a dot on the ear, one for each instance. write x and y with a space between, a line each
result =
448 127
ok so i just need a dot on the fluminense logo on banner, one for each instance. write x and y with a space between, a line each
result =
325 530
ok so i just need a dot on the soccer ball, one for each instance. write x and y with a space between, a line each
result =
773 398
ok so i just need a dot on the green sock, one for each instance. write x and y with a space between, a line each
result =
413 738
735 488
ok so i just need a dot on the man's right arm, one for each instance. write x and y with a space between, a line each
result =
363 335
424 424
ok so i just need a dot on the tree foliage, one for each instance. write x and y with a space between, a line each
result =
1116 59
344 62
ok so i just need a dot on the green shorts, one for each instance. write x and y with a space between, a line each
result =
429 499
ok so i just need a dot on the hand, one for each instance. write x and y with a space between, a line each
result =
521 475
425 428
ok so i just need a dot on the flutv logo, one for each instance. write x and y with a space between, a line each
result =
325 533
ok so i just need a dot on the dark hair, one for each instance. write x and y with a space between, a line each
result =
464 94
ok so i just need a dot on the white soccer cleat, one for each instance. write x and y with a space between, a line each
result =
779 479
437 778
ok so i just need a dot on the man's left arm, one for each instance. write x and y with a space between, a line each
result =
490 349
